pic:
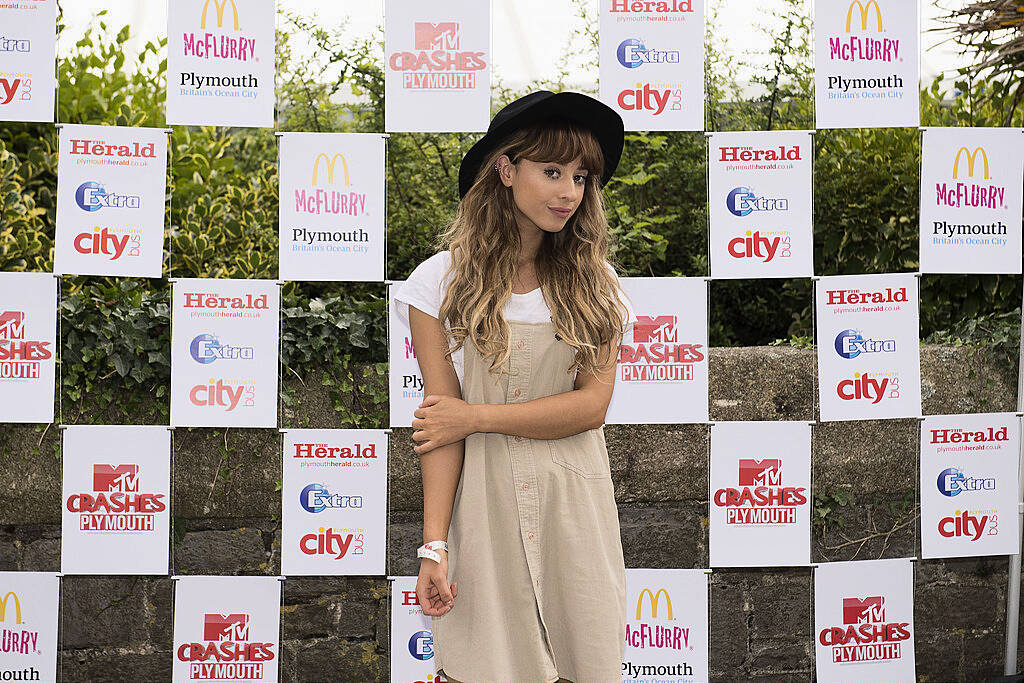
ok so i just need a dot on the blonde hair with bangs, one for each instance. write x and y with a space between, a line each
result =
572 264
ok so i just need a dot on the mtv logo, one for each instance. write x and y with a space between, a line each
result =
12 325
767 472
226 627
864 611
123 478
443 36
660 328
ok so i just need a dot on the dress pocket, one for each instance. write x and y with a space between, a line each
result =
583 454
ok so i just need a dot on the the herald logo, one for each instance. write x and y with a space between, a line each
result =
440 36
650 329
12 325
767 472
409 598
864 610
123 478
963 524
216 393
101 242
753 245
231 627
644 97
864 387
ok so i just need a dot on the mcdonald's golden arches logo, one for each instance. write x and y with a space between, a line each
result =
330 163
655 599
17 607
971 156
220 6
863 9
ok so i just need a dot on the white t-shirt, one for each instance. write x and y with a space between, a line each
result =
424 290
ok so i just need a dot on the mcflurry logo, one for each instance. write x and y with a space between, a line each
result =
316 498
952 482
438 62
206 348
225 639
958 194
632 53
660 636
851 343
19 358
115 503
16 641
219 46
865 634
760 498
655 355
863 48
92 196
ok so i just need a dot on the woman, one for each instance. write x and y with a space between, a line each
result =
516 324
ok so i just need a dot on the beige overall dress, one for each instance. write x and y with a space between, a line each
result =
534 540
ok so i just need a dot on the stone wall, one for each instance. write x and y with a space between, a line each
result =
227 521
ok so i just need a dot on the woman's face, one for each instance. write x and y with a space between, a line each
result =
545 193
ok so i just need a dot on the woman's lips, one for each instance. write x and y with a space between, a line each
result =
561 213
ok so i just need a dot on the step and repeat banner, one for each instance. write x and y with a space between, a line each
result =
110 209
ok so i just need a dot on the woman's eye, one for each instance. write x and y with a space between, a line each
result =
549 171
580 179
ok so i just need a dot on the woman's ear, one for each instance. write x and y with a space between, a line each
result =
505 169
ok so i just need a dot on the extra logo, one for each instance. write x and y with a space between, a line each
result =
219 46
11 88
851 344
327 541
759 497
92 196
952 482
110 242
438 61
15 45
20 359
421 645
656 354
741 201
222 393
643 635
863 387
316 498
971 194
115 502
865 635
632 54
226 651
16 641
207 348
645 97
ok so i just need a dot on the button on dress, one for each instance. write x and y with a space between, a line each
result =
534 540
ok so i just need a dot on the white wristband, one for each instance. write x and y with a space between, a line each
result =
429 550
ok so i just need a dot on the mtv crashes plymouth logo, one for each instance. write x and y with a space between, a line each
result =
865 634
116 502
226 651
760 499
20 358
656 355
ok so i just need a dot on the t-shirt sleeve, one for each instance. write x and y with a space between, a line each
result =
630 314
423 289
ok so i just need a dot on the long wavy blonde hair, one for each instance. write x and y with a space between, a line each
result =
572 264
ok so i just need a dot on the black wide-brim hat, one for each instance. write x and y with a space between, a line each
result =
603 121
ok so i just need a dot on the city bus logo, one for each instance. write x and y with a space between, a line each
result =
330 163
971 157
863 9
220 6
655 598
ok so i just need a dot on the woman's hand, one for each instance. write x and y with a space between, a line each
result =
441 420
434 594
